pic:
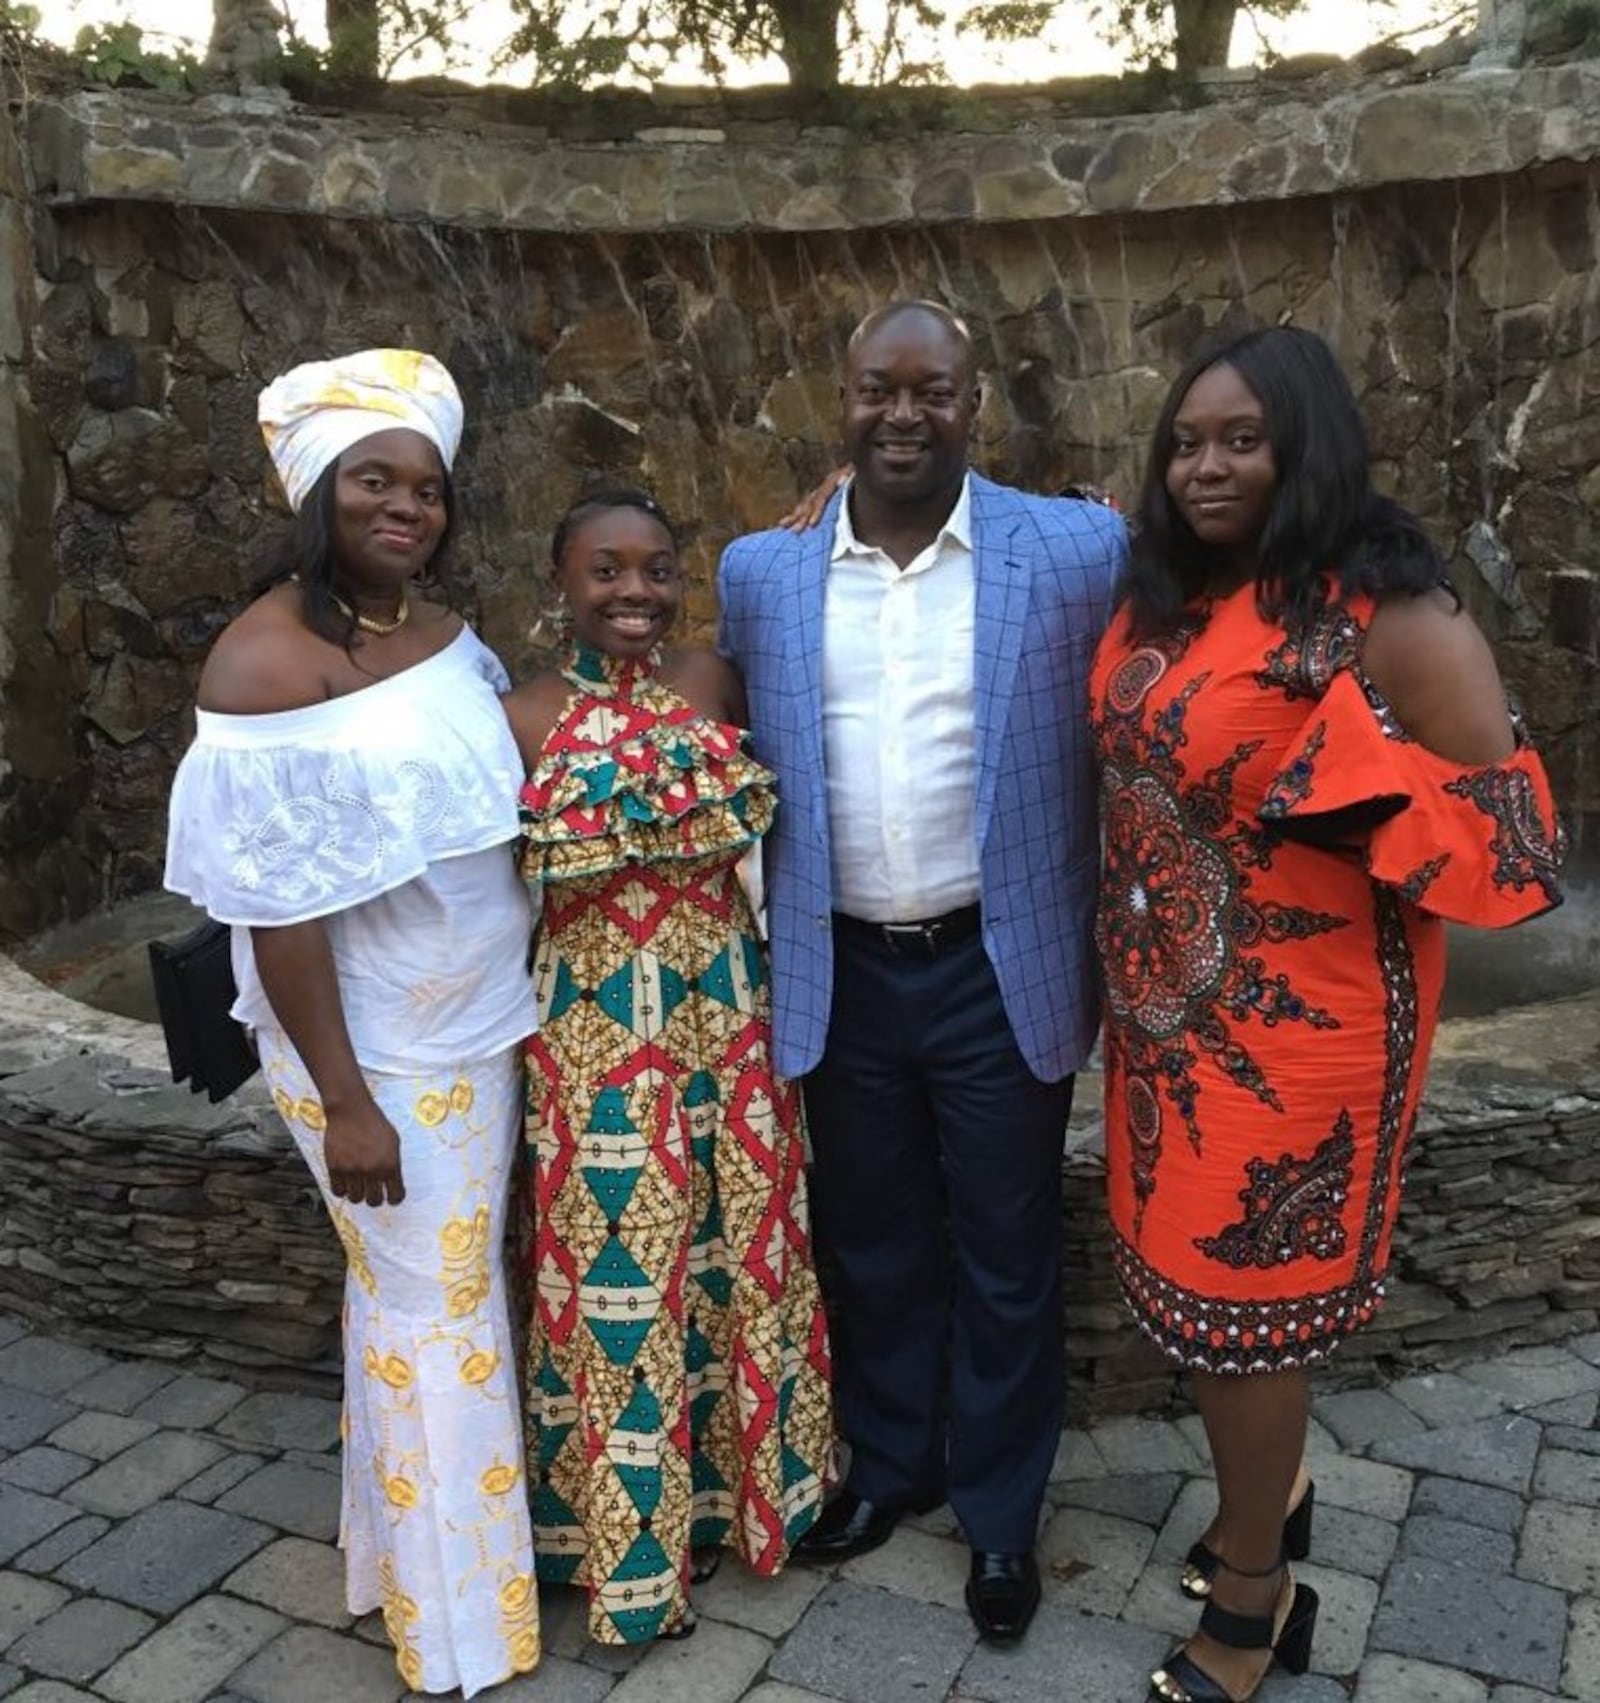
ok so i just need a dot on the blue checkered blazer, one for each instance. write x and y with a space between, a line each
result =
1044 568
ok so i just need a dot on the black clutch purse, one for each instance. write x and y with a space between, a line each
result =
195 991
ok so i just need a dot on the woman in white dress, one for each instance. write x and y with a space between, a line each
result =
348 806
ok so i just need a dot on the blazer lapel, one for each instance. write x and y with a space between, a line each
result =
1002 584
804 631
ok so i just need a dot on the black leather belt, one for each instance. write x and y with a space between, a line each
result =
924 939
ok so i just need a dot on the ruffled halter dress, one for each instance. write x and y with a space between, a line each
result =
677 1373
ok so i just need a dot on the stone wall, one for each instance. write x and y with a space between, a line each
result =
140 1218
660 289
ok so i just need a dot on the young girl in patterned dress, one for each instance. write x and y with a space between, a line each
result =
677 1369
1307 765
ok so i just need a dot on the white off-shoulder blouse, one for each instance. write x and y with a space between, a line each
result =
389 813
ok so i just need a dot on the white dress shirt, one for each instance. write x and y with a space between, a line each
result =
898 724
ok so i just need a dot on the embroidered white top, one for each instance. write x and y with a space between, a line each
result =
392 814
898 724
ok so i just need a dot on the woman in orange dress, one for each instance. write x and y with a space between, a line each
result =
1308 764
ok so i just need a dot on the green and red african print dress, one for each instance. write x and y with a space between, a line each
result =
1271 1003
677 1390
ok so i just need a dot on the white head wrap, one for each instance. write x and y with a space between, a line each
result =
313 413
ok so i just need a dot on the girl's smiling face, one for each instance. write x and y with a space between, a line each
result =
620 573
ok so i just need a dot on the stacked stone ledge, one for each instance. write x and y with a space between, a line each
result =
730 163
140 1218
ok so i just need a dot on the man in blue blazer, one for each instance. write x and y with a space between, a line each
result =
917 669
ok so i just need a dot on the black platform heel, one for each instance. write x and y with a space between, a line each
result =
1183 1680
1201 1563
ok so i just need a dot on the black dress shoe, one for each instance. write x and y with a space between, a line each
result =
849 1525
1002 1593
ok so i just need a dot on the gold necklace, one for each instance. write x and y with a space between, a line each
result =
367 623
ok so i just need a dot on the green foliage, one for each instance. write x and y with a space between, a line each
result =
1011 20
19 20
116 54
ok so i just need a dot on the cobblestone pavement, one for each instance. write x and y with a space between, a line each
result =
166 1538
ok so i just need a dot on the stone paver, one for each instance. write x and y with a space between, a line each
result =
1145 1445
220 1476
191 1403
307 1662
26 1416
1481 1621
868 1646
1529 1377
165 1555
1561 1547
1077 1457
24 1602
1456 1553
192 1654
1091 1561
121 1386
284 1421
1343 1481
294 1498
1567 1477
1398 1679
300 1579
1580 1674
100 1435
1353 1543
63 1543
1444 1398
1344 1618
717 1665
1570 1437
917 1564
25 1517
1193 1511
1577 1410
80 1640
1145 1497
1455 1540
768 1606
556 1680
1157 1602
43 1468
1066 1655
1359 1417
144 1474
1498 1451
46 1365
1473 1504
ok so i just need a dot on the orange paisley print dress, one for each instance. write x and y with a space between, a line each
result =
1270 1001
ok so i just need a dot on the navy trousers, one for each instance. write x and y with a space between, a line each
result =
937 1195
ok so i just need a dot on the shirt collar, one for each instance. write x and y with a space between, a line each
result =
957 527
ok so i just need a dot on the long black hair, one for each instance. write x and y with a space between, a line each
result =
1326 515
597 502
306 554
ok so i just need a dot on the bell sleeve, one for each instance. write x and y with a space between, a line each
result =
264 833
1479 845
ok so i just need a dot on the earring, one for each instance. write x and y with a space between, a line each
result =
553 628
